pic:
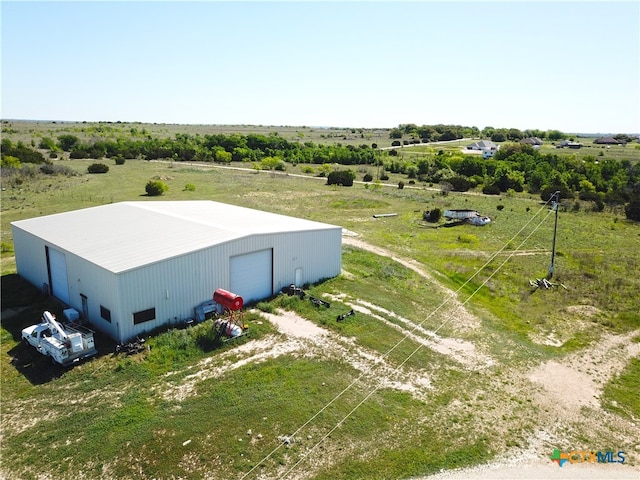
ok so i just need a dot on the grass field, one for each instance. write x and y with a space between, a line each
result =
130 416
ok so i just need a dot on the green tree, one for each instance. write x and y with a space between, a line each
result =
48 144
499 136
271 163
554 135
395 133
67 142
223 156
471 166
586 186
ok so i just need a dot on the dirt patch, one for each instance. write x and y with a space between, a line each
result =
298 336
578 380
293 325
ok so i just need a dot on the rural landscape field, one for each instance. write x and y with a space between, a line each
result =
454 356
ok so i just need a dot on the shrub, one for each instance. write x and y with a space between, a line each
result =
432 216
384 177
500 207
9 161
308 169
155 188
467 238
400 184
632 210
119 160
367 177
341 177
47 144
190 187
98 168
491 189
57 170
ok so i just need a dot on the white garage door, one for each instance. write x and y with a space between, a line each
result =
58 272
252 275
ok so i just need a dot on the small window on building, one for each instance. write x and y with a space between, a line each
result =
144 316
105 313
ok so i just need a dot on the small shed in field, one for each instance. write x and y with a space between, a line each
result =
131 267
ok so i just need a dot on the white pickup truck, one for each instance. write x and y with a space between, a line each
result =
65 344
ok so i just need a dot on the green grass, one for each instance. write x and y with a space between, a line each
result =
621 394
109 418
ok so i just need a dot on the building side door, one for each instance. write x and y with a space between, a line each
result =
57 264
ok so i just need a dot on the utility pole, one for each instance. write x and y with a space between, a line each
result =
555 197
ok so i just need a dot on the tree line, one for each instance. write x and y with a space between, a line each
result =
515 166
435 133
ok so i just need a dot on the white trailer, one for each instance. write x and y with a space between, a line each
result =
65 344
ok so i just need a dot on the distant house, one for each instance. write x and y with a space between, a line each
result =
607 141
487 147
533 141
483 145
569 144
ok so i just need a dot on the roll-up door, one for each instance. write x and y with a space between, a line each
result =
252 275
58 275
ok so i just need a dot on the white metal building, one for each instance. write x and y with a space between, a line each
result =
131 267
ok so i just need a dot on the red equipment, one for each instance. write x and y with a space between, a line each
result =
228 300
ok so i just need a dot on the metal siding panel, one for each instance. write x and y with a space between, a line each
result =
31 261
98 286
191 279
174 288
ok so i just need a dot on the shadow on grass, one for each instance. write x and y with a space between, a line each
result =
22 305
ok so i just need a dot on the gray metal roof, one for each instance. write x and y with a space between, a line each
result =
127 235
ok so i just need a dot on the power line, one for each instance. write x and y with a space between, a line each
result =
416 350
386 354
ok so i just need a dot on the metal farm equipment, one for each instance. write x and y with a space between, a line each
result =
231 324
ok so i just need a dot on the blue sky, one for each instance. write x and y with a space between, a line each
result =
572 66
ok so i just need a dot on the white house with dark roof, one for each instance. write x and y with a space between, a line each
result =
483 145
486 147
131 267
